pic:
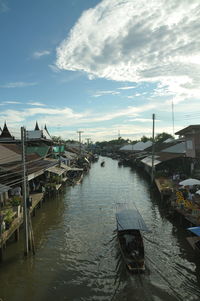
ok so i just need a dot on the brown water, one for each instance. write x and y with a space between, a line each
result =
77 256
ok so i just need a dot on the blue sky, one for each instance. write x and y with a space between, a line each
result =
103 67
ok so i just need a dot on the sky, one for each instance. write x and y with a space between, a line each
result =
100 67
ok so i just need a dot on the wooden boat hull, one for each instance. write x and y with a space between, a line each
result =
132 250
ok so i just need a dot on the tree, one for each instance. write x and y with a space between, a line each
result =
144 139
162 137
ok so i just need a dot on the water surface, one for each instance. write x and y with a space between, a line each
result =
77 255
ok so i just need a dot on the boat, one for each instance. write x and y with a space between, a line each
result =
129 226
102 163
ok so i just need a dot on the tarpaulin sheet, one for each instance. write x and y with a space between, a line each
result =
128 219
195 230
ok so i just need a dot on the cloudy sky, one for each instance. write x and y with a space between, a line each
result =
103 67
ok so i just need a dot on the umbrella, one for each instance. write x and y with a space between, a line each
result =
189 182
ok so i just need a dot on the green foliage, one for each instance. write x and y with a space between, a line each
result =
16 201
115 142
8 217
144 139
162 137
56 138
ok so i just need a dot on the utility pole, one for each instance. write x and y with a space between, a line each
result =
153 149
88 141
79 134
24 189
59 164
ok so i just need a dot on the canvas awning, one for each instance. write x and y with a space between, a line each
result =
130 219
57 170
67 168
35 174
4 188
148 161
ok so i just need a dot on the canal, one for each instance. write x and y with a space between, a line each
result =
77 255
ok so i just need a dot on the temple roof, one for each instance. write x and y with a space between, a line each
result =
5 132
36 127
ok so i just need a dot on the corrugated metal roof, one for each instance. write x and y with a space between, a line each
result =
160 157
40 150
178 148
34 134
139 146
189 129
7 155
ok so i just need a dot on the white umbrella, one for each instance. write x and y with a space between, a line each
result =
189 182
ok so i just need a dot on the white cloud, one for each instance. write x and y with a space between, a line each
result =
12 102
142 119
17 85
54 68
127 88
36 104
154 41
102 93
39 54
3 6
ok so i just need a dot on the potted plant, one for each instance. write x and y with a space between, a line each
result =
8 218
16 204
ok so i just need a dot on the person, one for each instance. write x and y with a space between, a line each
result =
190 196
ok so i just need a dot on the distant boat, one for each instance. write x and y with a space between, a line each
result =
129 226
102 163
120 162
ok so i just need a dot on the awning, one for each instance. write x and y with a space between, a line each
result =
130 219
148 161
195 230
4 188
67 168
57 170
35 174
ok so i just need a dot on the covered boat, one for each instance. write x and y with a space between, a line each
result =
102 163
129 226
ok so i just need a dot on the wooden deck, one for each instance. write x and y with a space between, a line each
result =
18 221
165 186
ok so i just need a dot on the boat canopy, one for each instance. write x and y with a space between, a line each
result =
130 219
195 230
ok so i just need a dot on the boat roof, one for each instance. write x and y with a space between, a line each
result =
195 230
130 219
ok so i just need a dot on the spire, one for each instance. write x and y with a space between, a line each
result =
45 127
5 132
36 127
48 135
